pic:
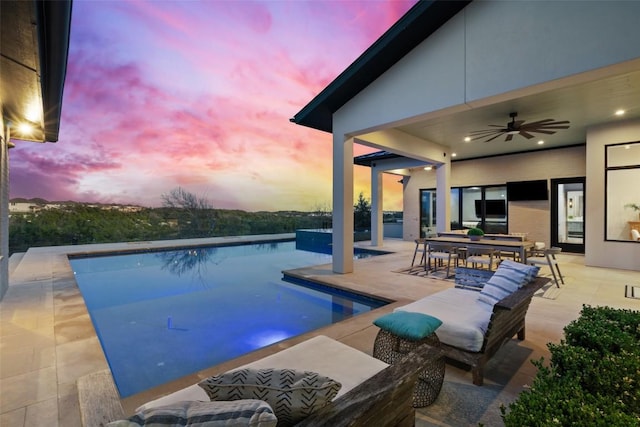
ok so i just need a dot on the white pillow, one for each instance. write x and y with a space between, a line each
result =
508 278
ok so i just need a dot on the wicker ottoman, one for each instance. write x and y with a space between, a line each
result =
389 348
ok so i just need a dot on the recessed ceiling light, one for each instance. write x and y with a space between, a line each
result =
620 113
540 142
467 138
453 154
25 129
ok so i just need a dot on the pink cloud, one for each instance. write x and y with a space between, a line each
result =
199 95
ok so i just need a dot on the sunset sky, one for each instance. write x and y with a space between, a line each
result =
198 95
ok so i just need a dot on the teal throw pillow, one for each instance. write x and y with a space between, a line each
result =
408 325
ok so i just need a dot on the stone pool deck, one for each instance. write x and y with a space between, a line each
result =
47 340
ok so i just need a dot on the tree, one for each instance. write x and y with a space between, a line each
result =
362 213
196 217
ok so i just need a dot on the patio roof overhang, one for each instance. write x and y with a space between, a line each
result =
414 27
33 55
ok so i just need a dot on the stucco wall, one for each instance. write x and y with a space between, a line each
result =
532 217
598 252
4 211
488 50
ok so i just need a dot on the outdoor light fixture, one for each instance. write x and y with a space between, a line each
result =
24 129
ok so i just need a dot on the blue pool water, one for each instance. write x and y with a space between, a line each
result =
162 315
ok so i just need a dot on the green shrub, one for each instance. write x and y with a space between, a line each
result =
475 232
593 377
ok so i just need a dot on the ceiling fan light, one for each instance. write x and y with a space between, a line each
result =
513 132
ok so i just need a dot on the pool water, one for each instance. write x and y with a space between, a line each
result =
163 315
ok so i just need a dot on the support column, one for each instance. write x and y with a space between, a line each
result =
342 203
443 196
377 217
4 209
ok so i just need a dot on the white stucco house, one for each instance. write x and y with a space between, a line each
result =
440 89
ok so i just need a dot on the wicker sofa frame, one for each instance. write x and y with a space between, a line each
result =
507 320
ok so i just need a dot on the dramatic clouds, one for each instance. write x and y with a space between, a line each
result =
198 94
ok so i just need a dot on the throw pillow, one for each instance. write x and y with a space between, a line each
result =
292 394
508 278
253 413
408 325
530 271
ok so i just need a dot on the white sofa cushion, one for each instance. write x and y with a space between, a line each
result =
326 356
464 318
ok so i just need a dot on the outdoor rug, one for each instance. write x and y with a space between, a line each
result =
418 271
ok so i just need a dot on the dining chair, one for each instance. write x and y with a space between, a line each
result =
481 255
439 253
548 258
421 246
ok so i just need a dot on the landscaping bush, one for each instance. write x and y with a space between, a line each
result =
593 377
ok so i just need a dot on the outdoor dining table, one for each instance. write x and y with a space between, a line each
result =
515 246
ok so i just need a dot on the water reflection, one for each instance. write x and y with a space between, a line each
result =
193 260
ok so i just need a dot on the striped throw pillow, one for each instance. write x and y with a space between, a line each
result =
253 413
292 394
508 278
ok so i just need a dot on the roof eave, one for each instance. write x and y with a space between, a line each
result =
422 20
54 28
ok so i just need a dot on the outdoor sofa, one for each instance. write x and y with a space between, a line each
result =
482 312
371 393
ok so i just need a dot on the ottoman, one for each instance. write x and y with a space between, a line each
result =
400 333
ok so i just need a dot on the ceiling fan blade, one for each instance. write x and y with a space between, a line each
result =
539 122
526 135
551 127
484 132
491 139
546 132
509 137
475 138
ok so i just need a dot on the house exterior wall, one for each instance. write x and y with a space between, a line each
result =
489 53
598 251
532 217
4 209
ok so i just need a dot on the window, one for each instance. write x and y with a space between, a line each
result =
622 197
484 207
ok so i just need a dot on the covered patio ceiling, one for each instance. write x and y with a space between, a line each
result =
584 101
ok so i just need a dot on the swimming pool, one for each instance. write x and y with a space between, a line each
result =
166 314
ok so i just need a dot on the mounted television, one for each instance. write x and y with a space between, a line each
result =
527 190
492 208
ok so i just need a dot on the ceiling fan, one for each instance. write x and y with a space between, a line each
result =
519 127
